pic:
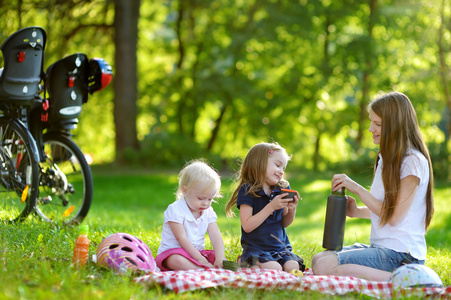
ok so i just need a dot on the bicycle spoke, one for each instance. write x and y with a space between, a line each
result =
65 182
19 173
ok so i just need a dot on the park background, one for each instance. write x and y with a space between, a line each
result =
210 79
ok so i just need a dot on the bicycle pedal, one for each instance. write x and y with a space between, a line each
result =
45 200
70 188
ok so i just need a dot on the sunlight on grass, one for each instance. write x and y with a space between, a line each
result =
439 233
440 261
442 207
35 258
317 217
317 185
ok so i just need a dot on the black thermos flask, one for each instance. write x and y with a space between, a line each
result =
334 226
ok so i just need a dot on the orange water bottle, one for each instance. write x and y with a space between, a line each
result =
81 249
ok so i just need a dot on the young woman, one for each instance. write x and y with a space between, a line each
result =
187 220
399 203
264 213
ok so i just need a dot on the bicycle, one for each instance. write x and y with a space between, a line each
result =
23 55
65 186
53 179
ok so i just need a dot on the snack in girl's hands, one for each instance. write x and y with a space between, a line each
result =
291 194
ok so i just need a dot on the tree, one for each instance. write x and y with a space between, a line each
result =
211 78
445 70
125 79
366 72
444 75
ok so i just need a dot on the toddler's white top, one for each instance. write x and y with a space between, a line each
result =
196 229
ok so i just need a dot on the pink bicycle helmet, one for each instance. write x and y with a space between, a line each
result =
122 252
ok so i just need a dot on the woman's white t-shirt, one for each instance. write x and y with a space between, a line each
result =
408 234
179 212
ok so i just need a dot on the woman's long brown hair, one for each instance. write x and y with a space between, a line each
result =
253 172
400 133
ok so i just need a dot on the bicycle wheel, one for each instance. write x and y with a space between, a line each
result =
65 183
19 171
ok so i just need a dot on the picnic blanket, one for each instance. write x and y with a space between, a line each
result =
251 278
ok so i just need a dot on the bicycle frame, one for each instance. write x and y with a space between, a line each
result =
21 120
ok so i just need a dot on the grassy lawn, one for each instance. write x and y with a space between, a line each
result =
35 257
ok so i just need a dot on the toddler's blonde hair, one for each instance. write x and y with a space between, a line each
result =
198 173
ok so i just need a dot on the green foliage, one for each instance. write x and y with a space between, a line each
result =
168 150
216 77
35 257
440 160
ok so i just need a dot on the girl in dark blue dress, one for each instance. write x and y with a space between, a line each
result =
264 214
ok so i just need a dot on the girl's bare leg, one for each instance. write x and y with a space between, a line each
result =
327 264
179 262
290 265
274 265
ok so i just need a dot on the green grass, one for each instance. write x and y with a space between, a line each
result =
35 257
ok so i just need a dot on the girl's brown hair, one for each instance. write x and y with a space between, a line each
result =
400 133
253 171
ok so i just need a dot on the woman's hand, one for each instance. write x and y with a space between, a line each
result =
351 210
342 180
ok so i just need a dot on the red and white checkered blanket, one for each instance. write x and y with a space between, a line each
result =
188 280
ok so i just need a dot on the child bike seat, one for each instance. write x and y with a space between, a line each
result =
67 85
23 56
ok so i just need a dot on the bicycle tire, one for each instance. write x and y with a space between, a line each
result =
19 178
65 183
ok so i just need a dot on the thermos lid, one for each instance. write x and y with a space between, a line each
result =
340 192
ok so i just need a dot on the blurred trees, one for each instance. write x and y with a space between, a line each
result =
215 77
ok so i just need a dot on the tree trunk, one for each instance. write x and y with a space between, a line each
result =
443 66
215 131
366 83
316 155
125 77
444 69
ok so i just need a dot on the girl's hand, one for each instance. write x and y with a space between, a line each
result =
205 262
182 238
290 212
279 203
217 243
218 262
295 202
